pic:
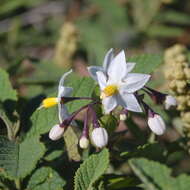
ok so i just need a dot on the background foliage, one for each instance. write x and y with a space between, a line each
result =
32 32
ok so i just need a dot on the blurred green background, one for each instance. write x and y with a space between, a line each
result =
39 36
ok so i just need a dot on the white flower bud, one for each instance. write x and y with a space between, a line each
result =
170 101
84 142
99 137
122 117
156 124
56 132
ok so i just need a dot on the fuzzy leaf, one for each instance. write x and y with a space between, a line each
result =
156 176
18 160
82 87
8 96
146 63
42 121
71 140
45 178
7 92
91 170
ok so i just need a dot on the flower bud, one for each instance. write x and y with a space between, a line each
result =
56 132
99 137
84 142
156 124
170 101
122 117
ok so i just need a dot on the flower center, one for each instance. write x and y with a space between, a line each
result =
109 91
49 102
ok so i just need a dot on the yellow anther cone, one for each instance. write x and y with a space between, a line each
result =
109 91
49 102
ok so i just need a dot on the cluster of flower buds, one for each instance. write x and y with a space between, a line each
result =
177 72
118 87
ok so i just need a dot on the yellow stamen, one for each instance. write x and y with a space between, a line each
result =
49 102
109 91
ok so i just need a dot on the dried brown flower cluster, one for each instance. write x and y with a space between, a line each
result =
66 45
177 72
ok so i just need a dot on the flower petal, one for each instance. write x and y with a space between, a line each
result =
129 102
62 112
64 91
130 66
107 59
117 68
101 79
93 70
134 82
61 82
109 104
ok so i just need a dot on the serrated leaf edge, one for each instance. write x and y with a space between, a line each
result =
78 170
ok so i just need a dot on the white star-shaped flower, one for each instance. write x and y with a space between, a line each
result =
57 131
118 85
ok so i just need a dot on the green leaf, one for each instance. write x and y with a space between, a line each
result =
42 74
45 178
82 87
109 122
71 141
18 160
91 170
8 96
7 92
135 130
147 151
173 16
146 63
42 121
164 31
156 176
53 155
118 181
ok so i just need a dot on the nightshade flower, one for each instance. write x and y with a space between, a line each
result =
118 85
57 130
